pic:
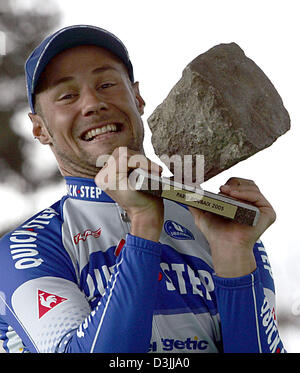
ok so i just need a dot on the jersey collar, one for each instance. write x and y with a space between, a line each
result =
85 189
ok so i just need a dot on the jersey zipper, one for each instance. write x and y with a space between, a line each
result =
125 221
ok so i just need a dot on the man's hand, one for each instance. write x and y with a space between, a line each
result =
232 243
145 212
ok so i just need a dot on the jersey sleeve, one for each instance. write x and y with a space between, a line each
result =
43 305
122 320
247 309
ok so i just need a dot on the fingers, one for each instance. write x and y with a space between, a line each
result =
248 195
236 182
114 173
248 191
127 159
237 185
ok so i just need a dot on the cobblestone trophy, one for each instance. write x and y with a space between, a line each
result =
225 108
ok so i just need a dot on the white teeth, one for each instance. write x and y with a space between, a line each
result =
100 131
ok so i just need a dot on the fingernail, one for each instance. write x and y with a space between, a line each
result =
225 188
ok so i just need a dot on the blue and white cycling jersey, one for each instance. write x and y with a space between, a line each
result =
73 279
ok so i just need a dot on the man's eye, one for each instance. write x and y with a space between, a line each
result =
106 85
67 96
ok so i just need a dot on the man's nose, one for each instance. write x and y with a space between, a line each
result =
92 103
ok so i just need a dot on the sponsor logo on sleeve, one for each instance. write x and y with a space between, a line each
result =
47 301
270 327
24 240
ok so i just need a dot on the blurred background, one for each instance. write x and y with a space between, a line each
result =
162 37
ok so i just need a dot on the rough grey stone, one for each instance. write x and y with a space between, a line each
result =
224 107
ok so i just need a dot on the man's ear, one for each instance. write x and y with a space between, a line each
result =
39 130
139 100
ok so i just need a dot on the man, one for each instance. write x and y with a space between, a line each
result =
119 270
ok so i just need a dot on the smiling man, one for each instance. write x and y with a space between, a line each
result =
87 106
111 269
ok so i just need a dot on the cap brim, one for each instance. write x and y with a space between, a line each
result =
80 35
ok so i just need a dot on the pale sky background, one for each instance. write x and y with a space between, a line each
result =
162 37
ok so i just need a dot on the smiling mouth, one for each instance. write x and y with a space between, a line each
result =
108 128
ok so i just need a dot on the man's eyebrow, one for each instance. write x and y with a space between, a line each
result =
98 70
62 80
104 68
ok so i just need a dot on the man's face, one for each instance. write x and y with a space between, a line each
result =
88 107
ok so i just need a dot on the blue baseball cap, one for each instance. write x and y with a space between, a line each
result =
65 38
